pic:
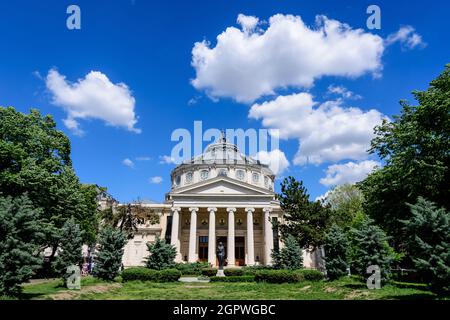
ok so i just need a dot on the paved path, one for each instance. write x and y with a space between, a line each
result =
192 279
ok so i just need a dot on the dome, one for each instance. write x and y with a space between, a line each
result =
222 158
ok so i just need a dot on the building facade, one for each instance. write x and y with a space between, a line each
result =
219 196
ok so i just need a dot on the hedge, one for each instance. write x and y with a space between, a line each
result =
276 276
210 272
190 269
145 274
251 270
233 279
233 272
310 274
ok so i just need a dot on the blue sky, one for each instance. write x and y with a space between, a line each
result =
147 46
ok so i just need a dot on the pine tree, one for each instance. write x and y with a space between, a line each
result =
21 232
109 255
370 247
70 248
336 252
291 254
162 255
428 234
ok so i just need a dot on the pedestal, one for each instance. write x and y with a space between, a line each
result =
220 273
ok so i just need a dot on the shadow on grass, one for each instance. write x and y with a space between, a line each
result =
413 296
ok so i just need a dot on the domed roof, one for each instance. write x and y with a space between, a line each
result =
222 152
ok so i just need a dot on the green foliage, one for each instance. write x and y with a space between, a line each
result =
35 159
428 234
70 248
162 255
251 270
370 247
336 253
233 279
209 272
20 236
277 276
109 256
309 275
194 268
346 204
415 148
145 274
233 272
290 257
306 221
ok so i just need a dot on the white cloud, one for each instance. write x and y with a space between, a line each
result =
155 180
327 132
275 159
407 37
248 63
343 92
167 160
144 158
128 162
349 172
93 97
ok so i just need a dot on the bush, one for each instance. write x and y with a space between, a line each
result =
162 255
233 279
169 275
251 270
210 272
310 274
139 274
233 272
189 269
336 253
145 274
277 276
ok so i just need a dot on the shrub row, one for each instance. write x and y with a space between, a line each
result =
145 274
210 272
233 279
287 276
191 269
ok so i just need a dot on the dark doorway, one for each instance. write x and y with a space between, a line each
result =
239 251
203 248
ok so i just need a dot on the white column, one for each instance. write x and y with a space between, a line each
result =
174 238
192 257
250 241
212 236
268 237
230 244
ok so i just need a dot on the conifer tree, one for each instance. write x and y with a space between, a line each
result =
370 247
70 248
21 232
110 252
291 254
162 255
428 233
336 252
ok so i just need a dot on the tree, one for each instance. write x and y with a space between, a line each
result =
428 234
306 221
291 254
346 204
414 147
20 236
35 158
70 248
370 247
110 252
162 255
336 252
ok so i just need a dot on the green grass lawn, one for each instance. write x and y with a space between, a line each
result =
348 288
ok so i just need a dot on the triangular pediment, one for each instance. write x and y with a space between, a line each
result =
222 186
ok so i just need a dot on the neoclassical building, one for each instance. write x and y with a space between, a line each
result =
220 196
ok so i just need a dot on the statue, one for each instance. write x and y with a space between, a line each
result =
221 258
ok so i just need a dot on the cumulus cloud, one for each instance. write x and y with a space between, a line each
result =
167 160
349 172
93 97
407 37
249 62
275 159
326 132
156 180
342 92
128 162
